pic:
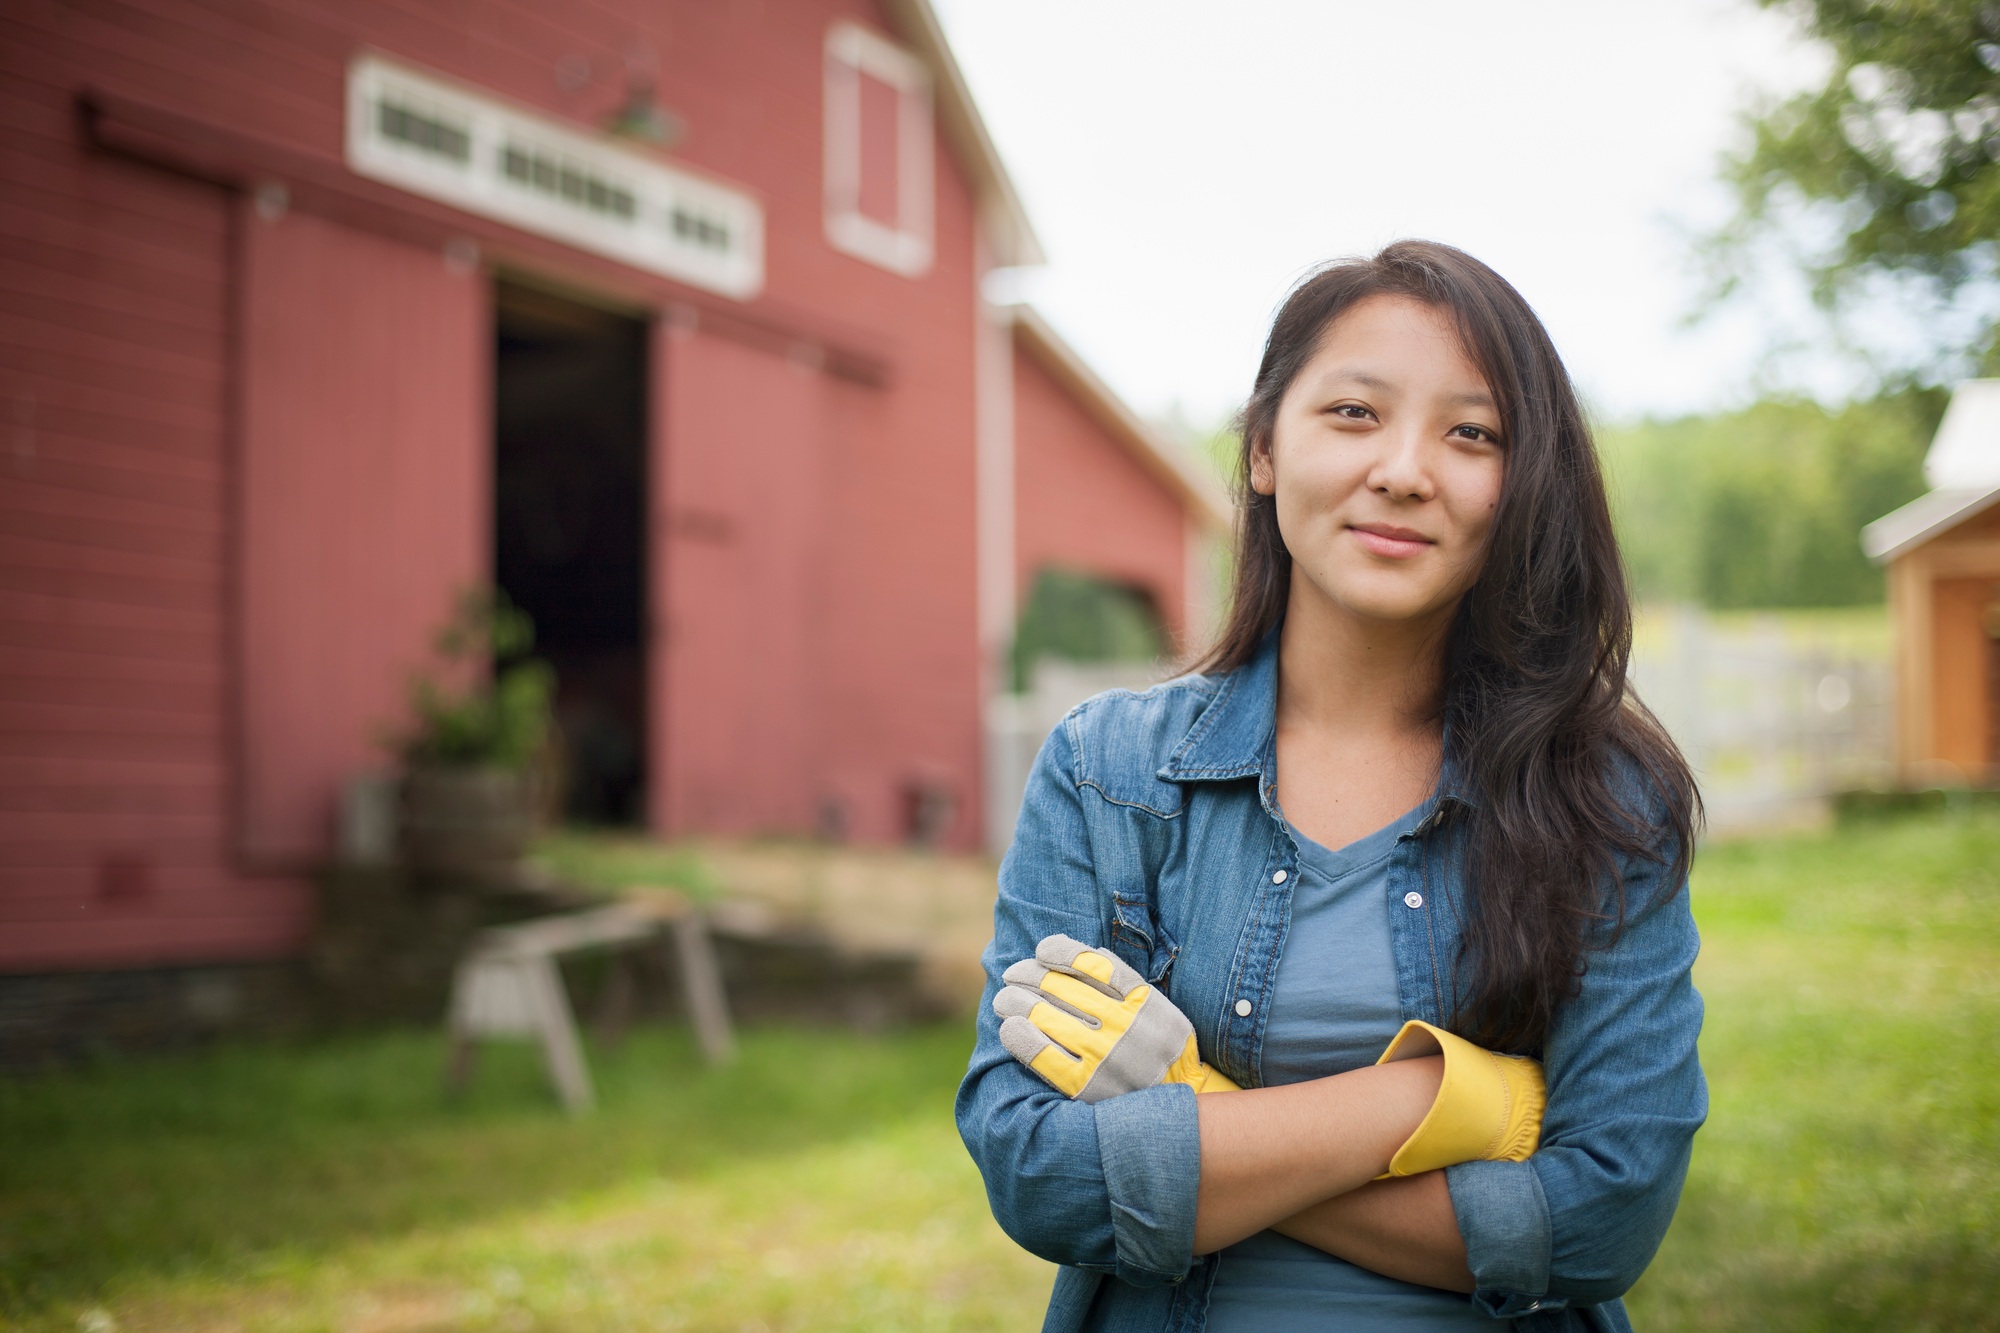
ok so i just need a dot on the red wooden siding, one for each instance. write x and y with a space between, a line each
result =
114 613
365 504
901 650
1086 503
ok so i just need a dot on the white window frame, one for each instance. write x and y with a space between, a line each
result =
515 165
907 246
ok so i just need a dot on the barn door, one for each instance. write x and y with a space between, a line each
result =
739 586
362 505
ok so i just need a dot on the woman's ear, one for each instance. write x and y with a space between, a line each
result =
1263 472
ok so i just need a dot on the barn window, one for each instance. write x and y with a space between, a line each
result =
428 132
560 178
464 147
878 151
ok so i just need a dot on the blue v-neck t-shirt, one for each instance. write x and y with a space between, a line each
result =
1333 1008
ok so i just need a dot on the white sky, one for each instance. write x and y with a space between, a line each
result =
1184 162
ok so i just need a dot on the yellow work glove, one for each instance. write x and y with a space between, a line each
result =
1093 1028
1488 1109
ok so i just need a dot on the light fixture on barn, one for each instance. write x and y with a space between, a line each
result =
642 117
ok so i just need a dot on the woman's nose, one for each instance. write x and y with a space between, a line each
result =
1402 472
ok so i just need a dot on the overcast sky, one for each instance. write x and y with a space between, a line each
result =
1185 161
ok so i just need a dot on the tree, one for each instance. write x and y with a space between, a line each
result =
1891 170
1761 507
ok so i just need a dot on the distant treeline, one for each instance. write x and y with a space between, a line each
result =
1764 507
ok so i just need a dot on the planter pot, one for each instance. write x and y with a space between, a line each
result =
467 822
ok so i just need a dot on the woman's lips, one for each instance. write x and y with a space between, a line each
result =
1396 543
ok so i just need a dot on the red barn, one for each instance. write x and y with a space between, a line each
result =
666 315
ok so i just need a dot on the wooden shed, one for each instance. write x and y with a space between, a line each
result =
667 315
1943 556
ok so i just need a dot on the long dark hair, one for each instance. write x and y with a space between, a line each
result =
1564 770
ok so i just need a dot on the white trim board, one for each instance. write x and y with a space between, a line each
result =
905 246
440 139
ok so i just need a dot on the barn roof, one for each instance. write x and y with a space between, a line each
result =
1966 450
1925 517
1963 467
1181 473
1008 230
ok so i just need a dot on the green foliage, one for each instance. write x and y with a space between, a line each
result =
1898 152
1083 618
501 716
611 863
1764 507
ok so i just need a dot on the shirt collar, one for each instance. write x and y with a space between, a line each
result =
1234 737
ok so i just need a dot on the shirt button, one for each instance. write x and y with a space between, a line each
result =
1278 878
1243 1008
1413 899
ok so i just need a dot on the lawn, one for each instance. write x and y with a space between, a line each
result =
816 1183
1849 1173
1849 1176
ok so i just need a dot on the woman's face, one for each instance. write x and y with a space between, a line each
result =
1385 460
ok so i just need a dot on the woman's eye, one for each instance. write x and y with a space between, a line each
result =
1352 411
1479 433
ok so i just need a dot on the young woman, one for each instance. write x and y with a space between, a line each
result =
1411 785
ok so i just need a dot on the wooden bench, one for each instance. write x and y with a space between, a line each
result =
508 985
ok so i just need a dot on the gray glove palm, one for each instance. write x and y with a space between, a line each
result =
1092 1027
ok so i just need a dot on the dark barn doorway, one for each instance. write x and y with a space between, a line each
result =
569 427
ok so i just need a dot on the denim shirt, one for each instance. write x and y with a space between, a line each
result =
1151 827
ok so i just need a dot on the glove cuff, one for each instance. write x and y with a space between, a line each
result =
1189 1068
1488 1107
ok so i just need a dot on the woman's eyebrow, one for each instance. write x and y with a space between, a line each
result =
1369 380
1365 379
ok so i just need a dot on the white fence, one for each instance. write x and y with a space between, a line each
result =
1775 713
1017 724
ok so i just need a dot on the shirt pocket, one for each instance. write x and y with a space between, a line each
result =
1141 941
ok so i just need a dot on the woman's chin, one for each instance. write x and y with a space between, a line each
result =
1411 612
1384 600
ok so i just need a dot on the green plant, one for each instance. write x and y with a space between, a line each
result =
1083 618
500 714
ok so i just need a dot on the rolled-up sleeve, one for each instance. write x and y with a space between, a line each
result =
1577 1223
1108 1186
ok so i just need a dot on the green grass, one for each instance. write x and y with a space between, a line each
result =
1848 1178
611 862
817 1182
1849 1174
